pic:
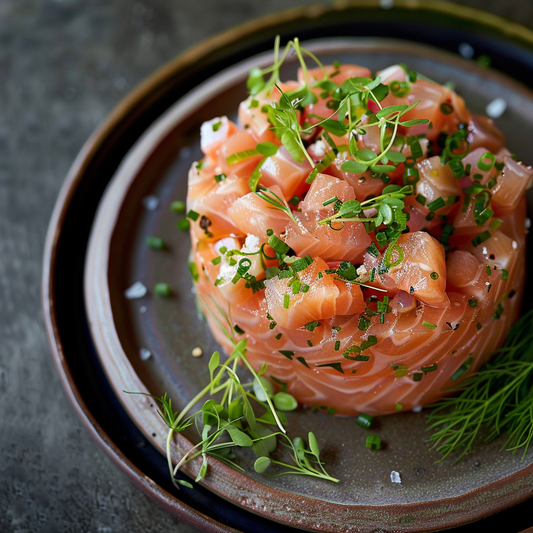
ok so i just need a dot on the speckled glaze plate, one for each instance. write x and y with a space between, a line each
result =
146 148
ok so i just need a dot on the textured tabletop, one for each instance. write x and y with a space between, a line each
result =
64 65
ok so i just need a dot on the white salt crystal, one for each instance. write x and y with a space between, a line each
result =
496 108
395 477
251 244
145 354
137 290
417 409
151 202
466 50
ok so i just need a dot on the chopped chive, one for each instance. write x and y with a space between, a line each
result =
400 370
295 200
309 343
434 275
457 168
287 353
373 250
286 301
300 359
447 232
337 345
193 269
446 108
238 330
220 177
505 274
278 245
310 326
417 376
421 199
216 260
472 302
482 237
335 366
364 323
193 215
430 368
155 242
364 420
428 325
436 204
299 265
184 224
462 369
483 165
373 442
499 311
162 289
347 270
178 207
330 201
495 223
278 336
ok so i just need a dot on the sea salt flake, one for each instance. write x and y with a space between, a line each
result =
395 477
137 290
417 409
320 148
251 244
151 202
496 108
466 50
145 354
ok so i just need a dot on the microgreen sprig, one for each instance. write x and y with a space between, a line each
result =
233 421
286 126
275 201
389 205
237 414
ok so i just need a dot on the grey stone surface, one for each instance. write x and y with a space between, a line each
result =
64 64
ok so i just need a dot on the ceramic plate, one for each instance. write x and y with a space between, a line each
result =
151 172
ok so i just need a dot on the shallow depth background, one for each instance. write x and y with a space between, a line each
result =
64 65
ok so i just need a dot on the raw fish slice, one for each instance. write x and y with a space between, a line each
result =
282 170
213 206
253 216
347 243
324 190
295 310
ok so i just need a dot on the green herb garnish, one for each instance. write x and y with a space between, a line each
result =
498 398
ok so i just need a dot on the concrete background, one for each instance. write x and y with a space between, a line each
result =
64 64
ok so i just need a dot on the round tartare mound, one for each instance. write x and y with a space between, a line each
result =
365 233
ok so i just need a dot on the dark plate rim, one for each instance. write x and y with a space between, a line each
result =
130 106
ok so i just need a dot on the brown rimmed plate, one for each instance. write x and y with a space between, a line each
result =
154 166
